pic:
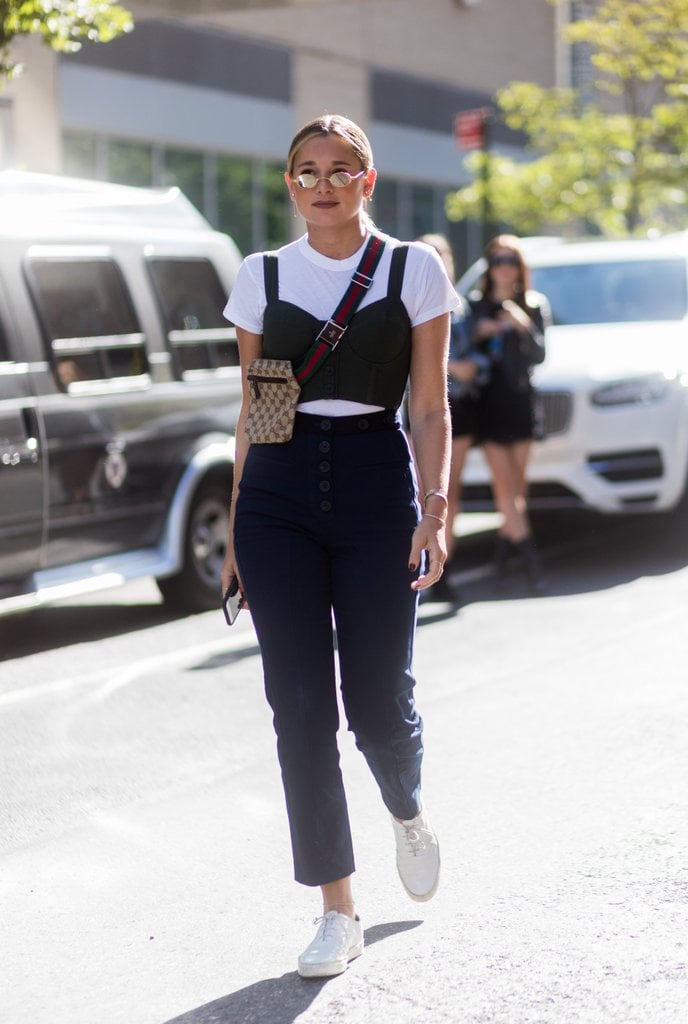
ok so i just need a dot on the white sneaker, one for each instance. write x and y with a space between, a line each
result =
418 856
339 938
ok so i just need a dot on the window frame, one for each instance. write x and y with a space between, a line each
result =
88 345
212 338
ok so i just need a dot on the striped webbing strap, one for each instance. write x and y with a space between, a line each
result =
334 329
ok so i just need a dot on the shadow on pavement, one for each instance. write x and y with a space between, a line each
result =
251 650
277 1000
581 553
51 627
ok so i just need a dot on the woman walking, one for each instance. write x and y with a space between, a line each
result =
328 525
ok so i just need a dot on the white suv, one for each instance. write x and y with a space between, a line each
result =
613 389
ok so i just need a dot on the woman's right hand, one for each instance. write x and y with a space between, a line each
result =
250 347
229 571
429 535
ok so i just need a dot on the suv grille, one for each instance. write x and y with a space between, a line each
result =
553 411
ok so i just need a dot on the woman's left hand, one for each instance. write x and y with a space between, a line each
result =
428 536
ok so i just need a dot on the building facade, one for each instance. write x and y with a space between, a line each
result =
207 95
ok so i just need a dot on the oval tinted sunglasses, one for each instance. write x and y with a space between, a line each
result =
340 179
507 260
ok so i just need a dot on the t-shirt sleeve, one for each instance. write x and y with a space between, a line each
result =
427 292
246 303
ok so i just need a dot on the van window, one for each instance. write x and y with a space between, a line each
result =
88 319
191 300
4 347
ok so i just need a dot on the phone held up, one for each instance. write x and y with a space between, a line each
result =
233 601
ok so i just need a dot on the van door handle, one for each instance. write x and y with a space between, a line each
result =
32 444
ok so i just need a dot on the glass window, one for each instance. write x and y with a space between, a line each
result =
191 299
423 217
130 163
88 320
277 209
185 169
235 200
464 238
4 347
620 292
244 197
383 208
79 156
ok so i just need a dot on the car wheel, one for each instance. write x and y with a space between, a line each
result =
196 588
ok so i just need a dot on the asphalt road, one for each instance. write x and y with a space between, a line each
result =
144 868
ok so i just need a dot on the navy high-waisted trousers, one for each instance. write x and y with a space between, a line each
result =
323 531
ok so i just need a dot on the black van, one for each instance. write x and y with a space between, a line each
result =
119 391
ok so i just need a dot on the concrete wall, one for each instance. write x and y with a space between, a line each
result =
30 121
245 80
482 46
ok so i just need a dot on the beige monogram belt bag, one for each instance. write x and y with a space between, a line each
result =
274 392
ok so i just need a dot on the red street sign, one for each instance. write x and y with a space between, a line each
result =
469 128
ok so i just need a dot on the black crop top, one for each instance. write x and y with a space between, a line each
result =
371 363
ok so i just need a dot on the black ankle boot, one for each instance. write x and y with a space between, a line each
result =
530 560
504 549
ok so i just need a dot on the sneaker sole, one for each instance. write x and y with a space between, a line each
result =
330 969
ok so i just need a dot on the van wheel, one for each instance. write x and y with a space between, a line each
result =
196 588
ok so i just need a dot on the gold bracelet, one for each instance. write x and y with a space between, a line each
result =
439 519
436 493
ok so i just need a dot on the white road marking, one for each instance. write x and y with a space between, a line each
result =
109 680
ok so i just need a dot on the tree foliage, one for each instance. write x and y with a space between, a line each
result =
615 160
62 24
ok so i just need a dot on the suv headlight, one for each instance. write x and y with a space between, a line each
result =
638 391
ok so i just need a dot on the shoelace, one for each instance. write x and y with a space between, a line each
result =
326 922
414 840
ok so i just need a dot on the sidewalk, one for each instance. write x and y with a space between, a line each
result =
555 774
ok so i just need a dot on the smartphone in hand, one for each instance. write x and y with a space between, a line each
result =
232 601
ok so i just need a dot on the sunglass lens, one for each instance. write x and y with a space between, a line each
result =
340 179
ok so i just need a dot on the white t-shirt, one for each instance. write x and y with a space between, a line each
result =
317 283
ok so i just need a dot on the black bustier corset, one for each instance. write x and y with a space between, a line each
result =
370 364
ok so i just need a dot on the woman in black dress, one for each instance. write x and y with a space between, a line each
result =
509 323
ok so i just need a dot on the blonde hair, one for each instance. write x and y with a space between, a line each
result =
332 124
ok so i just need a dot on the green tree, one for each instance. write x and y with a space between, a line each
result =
616 161
62 24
